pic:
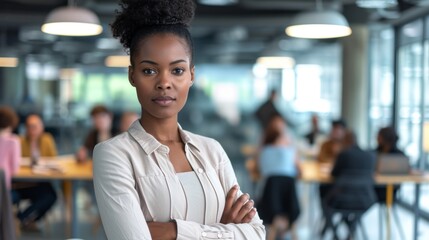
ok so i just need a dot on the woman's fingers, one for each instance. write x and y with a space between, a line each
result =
249 216
230 198
245 209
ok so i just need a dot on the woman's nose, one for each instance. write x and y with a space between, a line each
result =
164 81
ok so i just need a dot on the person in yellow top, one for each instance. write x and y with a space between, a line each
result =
42 196
36 141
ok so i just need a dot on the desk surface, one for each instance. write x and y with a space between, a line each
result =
71 170
312 171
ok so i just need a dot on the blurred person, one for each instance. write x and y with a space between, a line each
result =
387 140
10 147
330 149
267 110
35 143
278 163
127 118
315 134
158 181
10 156
102 130
351 159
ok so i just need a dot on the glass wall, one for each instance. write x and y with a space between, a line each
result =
412 104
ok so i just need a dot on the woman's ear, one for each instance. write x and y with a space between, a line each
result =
130 75
192 75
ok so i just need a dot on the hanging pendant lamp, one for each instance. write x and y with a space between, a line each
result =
72 21
319 24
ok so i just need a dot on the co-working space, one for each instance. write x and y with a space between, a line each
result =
318 110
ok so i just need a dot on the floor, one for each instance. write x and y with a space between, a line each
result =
54 226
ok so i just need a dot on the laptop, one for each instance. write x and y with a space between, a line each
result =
393 164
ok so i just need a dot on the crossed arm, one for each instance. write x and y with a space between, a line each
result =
240 211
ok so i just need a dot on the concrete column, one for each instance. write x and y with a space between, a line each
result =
355 82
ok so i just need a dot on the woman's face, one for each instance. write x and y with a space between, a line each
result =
162 75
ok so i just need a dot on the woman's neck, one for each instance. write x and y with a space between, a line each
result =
165 130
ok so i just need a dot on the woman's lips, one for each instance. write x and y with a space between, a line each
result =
164 100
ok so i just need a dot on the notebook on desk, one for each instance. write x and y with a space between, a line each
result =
393 164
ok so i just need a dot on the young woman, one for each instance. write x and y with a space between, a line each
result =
158 181
279 167
10 147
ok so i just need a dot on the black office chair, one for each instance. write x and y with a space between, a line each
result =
279 198
7 228
351 195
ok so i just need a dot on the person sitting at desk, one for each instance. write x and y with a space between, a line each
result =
278 164
102 130
387 139
332 147
36 143
10 147
352 159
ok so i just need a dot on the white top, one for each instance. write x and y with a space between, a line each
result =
135 182
194 193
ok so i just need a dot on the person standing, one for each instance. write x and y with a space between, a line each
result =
158 181
267 110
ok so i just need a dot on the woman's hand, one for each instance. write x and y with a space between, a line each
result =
240 211
162 231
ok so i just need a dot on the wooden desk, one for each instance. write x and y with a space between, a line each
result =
312 171
72 172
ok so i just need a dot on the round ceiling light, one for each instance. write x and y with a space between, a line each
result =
319 25
72 21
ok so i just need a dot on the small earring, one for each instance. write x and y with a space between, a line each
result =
192 83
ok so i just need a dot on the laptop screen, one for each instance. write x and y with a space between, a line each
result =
395 164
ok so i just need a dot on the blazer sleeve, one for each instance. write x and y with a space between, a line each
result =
117 198
51 148
254 230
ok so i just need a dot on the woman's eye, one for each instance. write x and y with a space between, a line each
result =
178 71
149 71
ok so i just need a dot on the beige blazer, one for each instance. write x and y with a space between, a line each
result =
135 182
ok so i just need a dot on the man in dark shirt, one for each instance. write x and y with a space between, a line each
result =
267 110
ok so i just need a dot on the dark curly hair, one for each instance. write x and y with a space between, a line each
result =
139 19
8 117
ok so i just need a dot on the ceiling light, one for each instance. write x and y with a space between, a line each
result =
8 61
276 62
72 21
319 25
117 61
376 3
217 2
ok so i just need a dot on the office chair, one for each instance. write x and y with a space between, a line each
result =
351 195
7 228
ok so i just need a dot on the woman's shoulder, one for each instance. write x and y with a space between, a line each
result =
122 139
11 139
201 140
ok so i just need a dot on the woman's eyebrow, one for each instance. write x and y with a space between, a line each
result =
150 62
154 63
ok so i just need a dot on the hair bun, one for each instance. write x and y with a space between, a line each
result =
137 14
